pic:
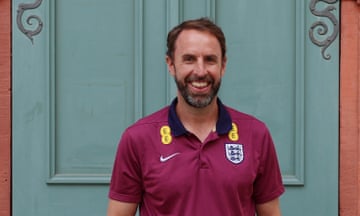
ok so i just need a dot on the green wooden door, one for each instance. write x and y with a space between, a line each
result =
83 70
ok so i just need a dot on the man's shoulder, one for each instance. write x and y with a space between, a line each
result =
245 118
145 130
158 117
234 113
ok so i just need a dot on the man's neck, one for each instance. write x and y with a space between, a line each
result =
199 121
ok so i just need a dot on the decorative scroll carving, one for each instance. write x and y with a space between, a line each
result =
322 28
21 9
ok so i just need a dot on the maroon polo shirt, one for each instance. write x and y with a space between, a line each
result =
169 171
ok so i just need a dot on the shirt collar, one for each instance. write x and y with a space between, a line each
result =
223 125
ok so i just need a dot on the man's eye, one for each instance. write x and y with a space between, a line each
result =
211 60
188 59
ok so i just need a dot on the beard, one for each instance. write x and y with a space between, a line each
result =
198 100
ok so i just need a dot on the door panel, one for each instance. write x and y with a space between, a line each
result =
96 67
277 74
93 84
262 77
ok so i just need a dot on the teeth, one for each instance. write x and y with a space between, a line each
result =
199 84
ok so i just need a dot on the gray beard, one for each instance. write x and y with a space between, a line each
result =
197 101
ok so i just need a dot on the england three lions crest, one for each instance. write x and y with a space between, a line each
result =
234 153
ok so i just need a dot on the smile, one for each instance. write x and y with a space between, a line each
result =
198 84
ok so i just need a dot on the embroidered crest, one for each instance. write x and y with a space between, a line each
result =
234 153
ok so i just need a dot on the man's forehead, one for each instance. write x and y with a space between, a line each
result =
191 33
193 39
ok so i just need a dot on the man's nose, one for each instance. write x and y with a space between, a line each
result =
200 68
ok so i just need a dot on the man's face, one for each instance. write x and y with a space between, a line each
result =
197 67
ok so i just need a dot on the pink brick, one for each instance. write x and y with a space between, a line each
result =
349 109
5 115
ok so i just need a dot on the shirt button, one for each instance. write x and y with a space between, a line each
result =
204 165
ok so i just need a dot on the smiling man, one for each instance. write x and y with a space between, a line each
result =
197 156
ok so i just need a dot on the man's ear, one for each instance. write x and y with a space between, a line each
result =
223 66
170 65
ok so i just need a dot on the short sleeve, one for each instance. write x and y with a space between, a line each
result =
268 183
126 181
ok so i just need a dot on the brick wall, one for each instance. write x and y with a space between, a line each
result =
349 108
5 94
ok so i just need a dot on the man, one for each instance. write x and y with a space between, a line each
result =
196 157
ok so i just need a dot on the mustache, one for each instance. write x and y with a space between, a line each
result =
195 78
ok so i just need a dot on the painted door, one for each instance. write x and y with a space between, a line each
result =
83 70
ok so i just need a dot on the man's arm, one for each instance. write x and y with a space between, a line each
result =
271 208
117 208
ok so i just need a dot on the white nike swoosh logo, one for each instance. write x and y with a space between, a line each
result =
163 159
